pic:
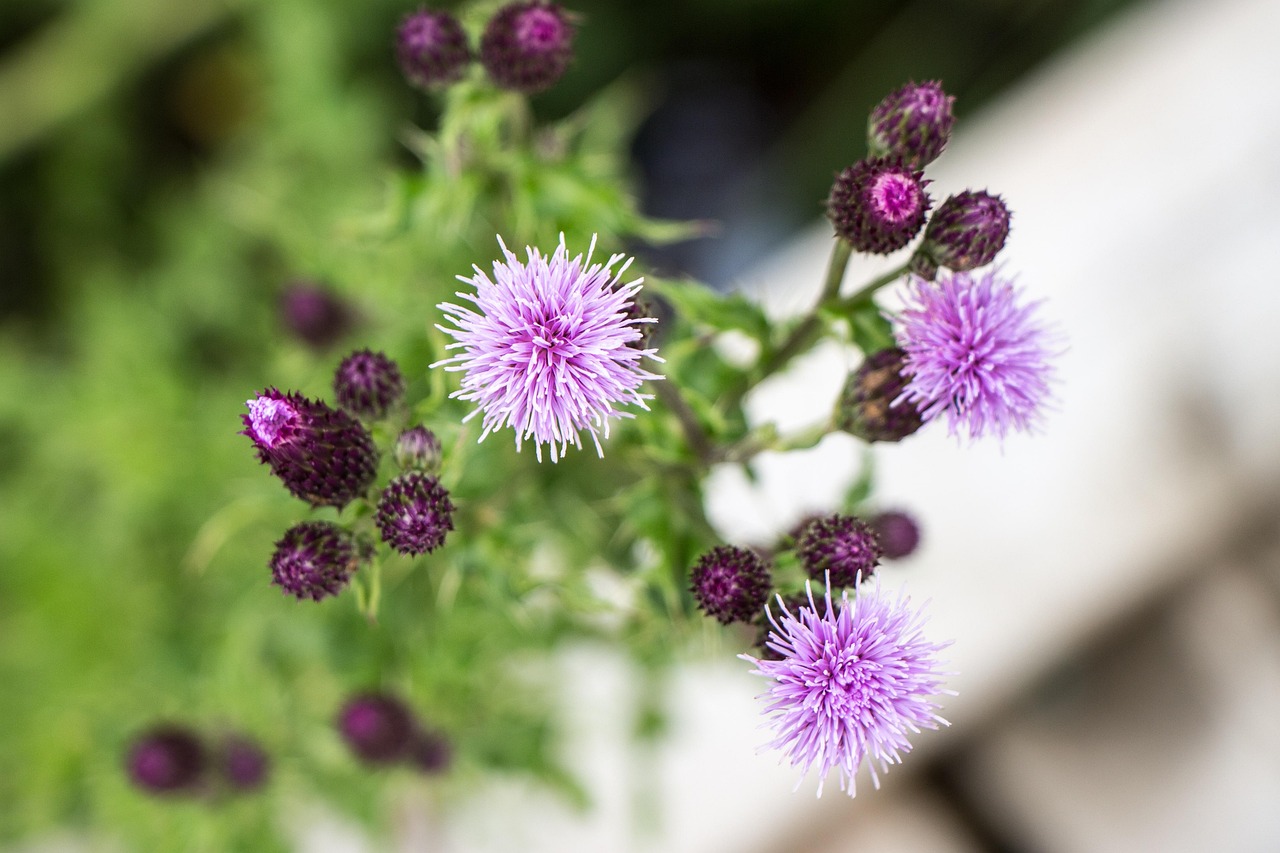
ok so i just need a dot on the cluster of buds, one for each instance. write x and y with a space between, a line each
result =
381 730
526 47
175 759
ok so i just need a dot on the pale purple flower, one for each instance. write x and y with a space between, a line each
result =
975 353
549 348
849 682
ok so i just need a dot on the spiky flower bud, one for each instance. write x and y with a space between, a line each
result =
730 583
869 405
418 449
313 560
967 231
842 547
367 384
878 205
167 759
897 532
243 763
378 727
415 513
527 47
432 48
912 124
315 316
322 455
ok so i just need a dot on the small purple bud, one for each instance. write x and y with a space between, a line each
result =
432 48
842 545
418 449
367 384
315 559
315 316
527 47
967 231
415 513
912 124
378 727
878 205
730 583
167 759
898 534
431 752
870 406
244 763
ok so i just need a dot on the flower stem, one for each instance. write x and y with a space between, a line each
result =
864 294
697 438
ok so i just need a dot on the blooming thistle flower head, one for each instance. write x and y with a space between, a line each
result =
898 533
851 679
975 353
314 559
547 349
367 384
431 48
967 231
322 455
878 205
527 47
418 448
913 124
378 727
843 548
414 513
731 584
167 759
870 404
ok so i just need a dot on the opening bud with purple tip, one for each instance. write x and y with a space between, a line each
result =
432 48
871 405
526 47
314 559
418 449
730 583
367 384
842 547
912 124
167 759
414 513
878 205
967 231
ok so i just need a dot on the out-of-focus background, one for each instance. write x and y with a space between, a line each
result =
1113 584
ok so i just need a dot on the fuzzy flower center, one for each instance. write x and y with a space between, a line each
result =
272 421
895 196
846 683
540 30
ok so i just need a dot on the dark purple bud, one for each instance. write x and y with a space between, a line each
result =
314 315
878 205
731 583
322 455
912 124
527 47
415 513
367 384
378 727
967 231
418 449
870 406
315 559
167 759
898 534
431 752
432 48
244 763
841 547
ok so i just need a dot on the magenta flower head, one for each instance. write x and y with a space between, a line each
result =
547 349
367 384
527 47
415 513
842 548
378 727
418 449
898 533
314 559
315 316
975 354
912 124
167 759
850 681
432 48
967 231
731 584
322 455
878 205
870 404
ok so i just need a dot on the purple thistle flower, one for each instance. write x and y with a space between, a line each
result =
878 205
898 533
367 384
167 759
843 548
314 559
378 727
731 584
913 123
975 354
432 48
849 683
967 231
417 448
549 350
415 513
527 47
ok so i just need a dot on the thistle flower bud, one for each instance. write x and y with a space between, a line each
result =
367 384
842 547
869 405
322 455
878 205
243 763
730 583
527 47
315 316
378 727
432 48
967 231
314 559
415 513
897 533
912 124
167 759
430 752
418 449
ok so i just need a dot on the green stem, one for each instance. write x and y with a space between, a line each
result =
863 295
697 438
767 438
